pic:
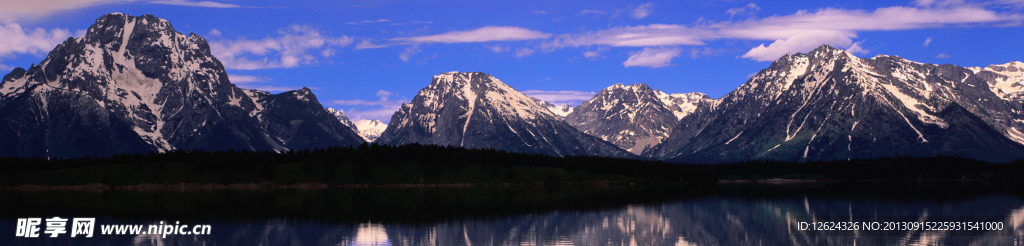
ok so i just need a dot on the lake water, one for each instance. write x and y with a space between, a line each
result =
725 215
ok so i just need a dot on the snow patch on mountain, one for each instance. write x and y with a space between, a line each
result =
370 130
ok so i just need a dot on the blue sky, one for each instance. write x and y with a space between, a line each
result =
368 57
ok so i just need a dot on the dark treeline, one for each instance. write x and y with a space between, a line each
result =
366 164
371 164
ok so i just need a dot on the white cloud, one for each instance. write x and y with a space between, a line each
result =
205 4
927 41
214 32
643 11
856 48
561 97
498 48
799 43
383 95
652 57
408 53
524 52
483 34
294 46
942 55
803 31
595 54
15 40
635 36
750 7
797 32
591 12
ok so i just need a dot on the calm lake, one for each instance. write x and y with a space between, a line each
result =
725 215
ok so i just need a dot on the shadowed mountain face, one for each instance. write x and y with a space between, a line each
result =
476 110
830 105
133 84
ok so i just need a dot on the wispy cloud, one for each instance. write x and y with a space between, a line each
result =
652 57
15 40
368 44
797 32
942 55
34 9
561 97
596 53
367 21
524 52
408 53
294 46
381 109
927 41
750 7
643 11
258 83
205 4
483 34
634 36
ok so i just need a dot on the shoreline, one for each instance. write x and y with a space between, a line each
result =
273 186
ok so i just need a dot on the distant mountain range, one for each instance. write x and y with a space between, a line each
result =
134 84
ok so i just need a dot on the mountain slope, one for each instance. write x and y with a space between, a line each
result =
131 84
340 116
476 110
829 105
298 121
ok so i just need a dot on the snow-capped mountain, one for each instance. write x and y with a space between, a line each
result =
134 84
370 129
633 117
476 110
559 110
683 104
829 104
338 114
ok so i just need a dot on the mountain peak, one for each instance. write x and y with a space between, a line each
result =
632 87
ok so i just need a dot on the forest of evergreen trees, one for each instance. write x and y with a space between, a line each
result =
371 164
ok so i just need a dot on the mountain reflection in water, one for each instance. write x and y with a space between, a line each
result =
741 215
